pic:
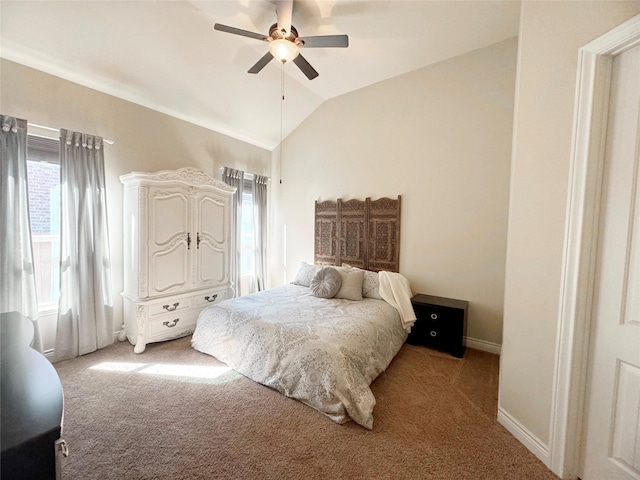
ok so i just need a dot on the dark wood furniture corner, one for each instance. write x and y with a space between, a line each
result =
32 406
441 323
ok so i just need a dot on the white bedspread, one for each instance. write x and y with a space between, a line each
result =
323 352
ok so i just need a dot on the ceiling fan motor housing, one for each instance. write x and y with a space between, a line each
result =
276 34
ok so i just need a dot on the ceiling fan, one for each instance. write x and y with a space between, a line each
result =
284 42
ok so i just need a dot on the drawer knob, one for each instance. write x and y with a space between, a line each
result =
433 333
169 308
170 324
211 298
434 316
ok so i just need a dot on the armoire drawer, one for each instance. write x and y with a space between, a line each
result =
167 306
172 325
206 298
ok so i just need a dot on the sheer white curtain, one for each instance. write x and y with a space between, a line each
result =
260 229
17 279
85 311
235 178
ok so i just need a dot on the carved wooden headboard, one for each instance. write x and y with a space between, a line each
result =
363 234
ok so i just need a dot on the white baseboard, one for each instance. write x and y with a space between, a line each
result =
528 439
50 353
483 345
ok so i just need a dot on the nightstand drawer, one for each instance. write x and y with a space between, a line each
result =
441 323
431 327
434 335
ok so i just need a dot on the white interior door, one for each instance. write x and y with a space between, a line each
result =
611 441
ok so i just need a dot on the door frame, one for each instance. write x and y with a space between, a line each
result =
595 62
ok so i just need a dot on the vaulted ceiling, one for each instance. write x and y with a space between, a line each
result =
166 55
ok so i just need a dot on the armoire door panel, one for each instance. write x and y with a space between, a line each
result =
169 215
169 239
170 269
212 265
212 219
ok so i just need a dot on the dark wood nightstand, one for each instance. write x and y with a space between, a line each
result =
441 323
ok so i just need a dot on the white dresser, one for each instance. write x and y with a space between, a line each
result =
177 252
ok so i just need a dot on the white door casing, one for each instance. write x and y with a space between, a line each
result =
581 240
612 425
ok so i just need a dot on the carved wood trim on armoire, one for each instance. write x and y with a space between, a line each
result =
360 233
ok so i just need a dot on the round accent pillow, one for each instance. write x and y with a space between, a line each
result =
326 282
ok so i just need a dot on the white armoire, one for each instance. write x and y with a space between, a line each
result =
177 252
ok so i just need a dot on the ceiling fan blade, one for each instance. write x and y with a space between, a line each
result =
261 63
305 66
284 10
325 41
238 31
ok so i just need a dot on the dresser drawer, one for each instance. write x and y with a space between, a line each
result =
172 325
167 306
209 298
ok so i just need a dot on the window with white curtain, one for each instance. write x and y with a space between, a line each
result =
248 263
43 171
247 239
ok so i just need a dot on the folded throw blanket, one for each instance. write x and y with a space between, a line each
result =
395 290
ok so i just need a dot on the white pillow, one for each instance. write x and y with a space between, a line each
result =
370 284
305 274
352 279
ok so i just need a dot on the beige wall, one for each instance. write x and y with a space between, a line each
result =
441 138
145 140
551 34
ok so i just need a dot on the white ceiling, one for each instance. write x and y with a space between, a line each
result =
165 55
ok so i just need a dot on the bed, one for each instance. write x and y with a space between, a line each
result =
324 352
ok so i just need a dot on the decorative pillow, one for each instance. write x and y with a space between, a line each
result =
352 279
326 282
371 285
305 274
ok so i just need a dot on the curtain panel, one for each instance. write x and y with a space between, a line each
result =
260 229
17 276
85 311
235 178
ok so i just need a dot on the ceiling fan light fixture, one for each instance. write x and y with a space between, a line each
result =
283 50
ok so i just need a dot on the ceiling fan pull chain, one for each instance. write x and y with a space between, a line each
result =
282 84
281 108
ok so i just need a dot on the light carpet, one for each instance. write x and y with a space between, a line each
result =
174 413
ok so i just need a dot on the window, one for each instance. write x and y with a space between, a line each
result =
43 170
247 240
